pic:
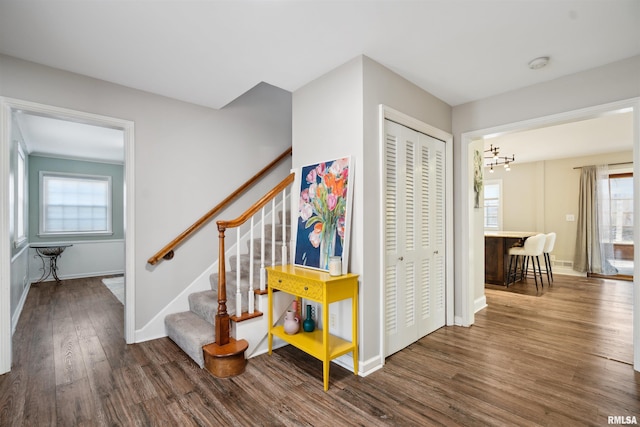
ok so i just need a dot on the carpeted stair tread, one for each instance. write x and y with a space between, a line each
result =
190 332
268 249
231 281
205 305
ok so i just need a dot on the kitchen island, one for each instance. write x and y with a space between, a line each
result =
496 253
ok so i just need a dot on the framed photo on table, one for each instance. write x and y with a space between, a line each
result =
324 213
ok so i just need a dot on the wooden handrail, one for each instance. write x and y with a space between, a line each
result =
168 251
223 225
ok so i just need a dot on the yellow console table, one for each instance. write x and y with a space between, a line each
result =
318 286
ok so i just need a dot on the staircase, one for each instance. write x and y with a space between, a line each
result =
194 329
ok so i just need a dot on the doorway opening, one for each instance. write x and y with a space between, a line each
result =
10 109
473 237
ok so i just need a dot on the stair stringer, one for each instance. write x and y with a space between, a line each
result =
255 330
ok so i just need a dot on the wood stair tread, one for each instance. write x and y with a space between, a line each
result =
246 316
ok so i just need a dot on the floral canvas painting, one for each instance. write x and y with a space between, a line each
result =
323 214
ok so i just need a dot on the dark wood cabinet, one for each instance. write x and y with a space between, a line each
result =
496 254
494 260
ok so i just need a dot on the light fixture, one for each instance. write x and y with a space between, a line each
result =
496 160
541 62
494 152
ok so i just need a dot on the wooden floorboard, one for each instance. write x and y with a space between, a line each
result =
560 356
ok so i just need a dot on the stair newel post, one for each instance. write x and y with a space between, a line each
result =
238 293
284 227
263 272
222 317
273 232
251 297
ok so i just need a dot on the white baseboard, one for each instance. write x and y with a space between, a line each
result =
263 348
368 367
568 272
480 304
82 275
18 312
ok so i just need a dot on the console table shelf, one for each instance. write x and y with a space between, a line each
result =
317 286
311 343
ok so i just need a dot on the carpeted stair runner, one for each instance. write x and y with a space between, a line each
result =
193 329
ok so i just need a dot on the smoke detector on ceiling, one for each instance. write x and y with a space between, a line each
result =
538 63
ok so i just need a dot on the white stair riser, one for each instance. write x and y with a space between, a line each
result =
255 330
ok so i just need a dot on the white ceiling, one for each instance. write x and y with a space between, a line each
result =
610 133
56 137
210 52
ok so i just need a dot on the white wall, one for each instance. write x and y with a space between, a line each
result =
19 283
338 114
598 86
82 259
19 253
187 159
327 124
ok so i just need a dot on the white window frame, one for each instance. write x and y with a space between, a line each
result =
103 178
497 182
20 214
613 173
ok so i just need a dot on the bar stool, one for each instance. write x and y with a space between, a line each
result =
533 247
548 247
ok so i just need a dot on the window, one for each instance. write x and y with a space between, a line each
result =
21 200
492 205
620 208
74 204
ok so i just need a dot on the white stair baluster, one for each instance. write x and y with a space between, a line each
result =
284 227
263 272
238 294
251 297
273 232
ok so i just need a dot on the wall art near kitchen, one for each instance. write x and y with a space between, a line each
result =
324 213
478 165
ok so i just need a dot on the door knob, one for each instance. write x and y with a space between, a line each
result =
401 258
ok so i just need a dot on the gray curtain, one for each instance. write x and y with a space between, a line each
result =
593 249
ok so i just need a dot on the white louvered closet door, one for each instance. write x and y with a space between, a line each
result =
414 236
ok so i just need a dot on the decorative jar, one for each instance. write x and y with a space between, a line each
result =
309 325
291 323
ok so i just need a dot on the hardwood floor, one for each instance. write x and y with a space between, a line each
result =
561 357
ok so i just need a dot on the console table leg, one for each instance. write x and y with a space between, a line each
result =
44 268
54 269
325 373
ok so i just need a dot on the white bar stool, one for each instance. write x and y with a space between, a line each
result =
533 247
550 241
